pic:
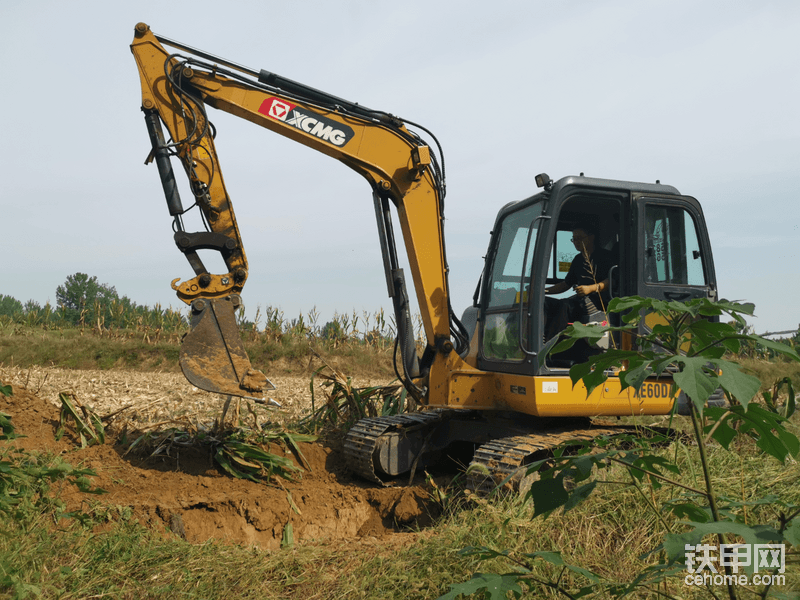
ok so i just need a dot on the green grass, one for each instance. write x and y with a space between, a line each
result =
113 556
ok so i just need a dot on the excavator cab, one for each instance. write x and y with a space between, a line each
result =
657 238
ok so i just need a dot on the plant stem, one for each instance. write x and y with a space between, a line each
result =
657 476
719 422
712 500
784 522
652 506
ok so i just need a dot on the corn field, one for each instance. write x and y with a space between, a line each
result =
113 320
122 319
370 329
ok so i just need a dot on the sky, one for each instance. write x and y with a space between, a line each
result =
703 96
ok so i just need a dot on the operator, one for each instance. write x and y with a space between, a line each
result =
587 276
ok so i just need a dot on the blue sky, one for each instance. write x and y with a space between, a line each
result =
700 95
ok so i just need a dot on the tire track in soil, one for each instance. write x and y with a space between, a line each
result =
186 494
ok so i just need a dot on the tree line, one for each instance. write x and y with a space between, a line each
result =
84 301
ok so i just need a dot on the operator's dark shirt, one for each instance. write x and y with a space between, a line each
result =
594 271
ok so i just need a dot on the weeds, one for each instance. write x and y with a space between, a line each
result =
606 534
240 452
345 404
151 339
88 427
247 461
772 398
26 479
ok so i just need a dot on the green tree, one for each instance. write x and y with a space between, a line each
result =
84 299
10 306
31 305
333 331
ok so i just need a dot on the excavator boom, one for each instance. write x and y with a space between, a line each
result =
399 166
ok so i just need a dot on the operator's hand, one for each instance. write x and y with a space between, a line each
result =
585 290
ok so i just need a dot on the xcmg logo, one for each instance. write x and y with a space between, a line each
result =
325 129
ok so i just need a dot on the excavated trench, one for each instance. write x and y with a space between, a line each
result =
184 493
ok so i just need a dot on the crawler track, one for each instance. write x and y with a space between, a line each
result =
397 444
502 460
362 440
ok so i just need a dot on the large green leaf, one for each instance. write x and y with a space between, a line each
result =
690 511
629 303
547 494
555 559
739 385
579 494
773 438
718 424
593 372
495 586
649 462
6 427
733 308
634 377
710 334
764 426
778 347
792 532
695 381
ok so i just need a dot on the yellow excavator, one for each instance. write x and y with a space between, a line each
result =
485 382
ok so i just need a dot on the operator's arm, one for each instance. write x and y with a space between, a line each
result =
585 290
601 263
569 281
561 286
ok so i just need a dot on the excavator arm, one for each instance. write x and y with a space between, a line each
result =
177 87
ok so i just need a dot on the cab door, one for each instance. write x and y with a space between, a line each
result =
674 260
673 249
505 326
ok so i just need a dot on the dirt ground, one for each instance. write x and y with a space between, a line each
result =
185 493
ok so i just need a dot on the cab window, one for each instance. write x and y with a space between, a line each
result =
561 256
672 250
511 265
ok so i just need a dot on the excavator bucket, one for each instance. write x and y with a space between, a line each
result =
213 357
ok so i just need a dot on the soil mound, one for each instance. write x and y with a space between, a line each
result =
186 494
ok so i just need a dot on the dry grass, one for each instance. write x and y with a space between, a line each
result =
770 371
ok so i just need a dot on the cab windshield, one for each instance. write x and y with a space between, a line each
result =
509 282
